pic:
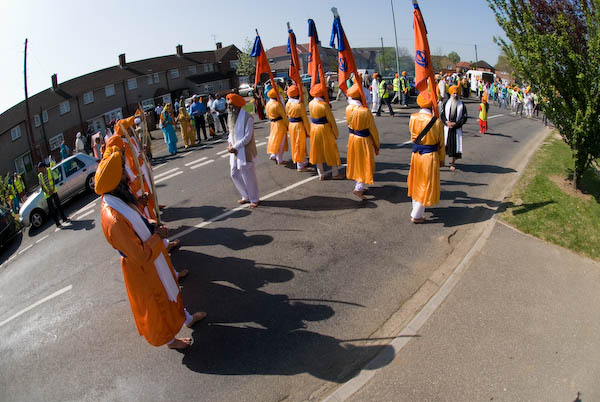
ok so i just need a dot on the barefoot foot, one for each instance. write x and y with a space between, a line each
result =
180 343
198 316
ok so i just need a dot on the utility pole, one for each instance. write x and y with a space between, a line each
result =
476 58
395 36
35 151
382 61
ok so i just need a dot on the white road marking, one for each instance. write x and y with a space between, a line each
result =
260 144
34 305
225 156
202 164
42 239
267 137
493 117
159 166
222 152
341 121
165 173
86 214
187 153
88 206
168 177
25 249
233 211
196 161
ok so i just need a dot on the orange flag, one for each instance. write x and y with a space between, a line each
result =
346 63
262 64
294 72
423 66
315 66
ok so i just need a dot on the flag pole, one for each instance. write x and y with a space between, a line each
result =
270 72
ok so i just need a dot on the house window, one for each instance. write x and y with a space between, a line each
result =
56 141
209 68
45 116
148 104
131 84
23 163
234 64
149 79
109 90
156 80
113 115
174 73
15 133
88 97
166 99
192 70
64 107
37 121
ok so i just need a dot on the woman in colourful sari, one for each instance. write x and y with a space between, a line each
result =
168 123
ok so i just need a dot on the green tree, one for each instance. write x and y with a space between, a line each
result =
454 57
247 65
555 47
387 59
503 64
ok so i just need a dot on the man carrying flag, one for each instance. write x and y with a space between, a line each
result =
298 127
423 66
323 134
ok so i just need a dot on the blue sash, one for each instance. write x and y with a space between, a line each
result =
322 120
424 149
276 119
295 119
361 133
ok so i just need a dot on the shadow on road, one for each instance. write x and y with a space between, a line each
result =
249 331
11 247
483 168
318 203
232 238
205 212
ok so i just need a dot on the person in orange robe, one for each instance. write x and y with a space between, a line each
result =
150 279
323 135
299 128
427 158
278 143
363 142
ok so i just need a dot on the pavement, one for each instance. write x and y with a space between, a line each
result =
299 291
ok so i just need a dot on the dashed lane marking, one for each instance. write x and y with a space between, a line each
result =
25 249
165 173
88 206
225 156
42 239
187 153
159 166
86 214
493 117
34 305
261 144
202 164
168 177
196 161
222 152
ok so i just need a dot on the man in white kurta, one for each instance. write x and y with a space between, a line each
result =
242 149
375 94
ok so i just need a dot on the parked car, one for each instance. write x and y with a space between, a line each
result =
8 227
74 176
246 90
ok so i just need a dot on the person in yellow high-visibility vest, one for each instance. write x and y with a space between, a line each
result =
396 88
483 114
13 198
19 186
384 94
46 182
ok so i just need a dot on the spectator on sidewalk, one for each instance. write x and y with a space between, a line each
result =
221 108
79 144
183 118
64 150
212 106
454 115
197 111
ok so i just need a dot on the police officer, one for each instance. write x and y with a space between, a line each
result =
46 182
384 94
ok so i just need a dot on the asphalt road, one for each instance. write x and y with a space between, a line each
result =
292 288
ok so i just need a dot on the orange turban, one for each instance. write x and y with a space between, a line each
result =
374 75
236 100
293 91
396 75
318 90
354 91
128 122
484 98
115 141
272 93
452 89
109 172
424 102
404 73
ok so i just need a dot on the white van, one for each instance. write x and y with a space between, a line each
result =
473 76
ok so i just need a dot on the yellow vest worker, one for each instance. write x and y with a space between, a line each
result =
363 143
299 128
323 135
278 142
427 157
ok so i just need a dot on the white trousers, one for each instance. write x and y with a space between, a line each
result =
188 319
360 186
418 210
217 122
245 181
321 170
300 165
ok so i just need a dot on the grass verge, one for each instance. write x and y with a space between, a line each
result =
544 203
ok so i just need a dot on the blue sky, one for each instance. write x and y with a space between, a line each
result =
72 38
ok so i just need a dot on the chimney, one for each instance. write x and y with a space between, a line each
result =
179 50
219 45
54 82
122 62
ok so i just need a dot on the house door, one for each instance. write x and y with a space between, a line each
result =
97 124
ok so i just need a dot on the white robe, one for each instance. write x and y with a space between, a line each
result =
375 95
243 173
459 112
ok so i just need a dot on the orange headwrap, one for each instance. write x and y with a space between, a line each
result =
374 75
128 122
396 75
109 172
317 91
404 73
484 98
354 91
293 91
453 89
115 141
272 93
236 100
424 102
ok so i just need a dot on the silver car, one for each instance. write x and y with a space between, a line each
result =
246 90
73 176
